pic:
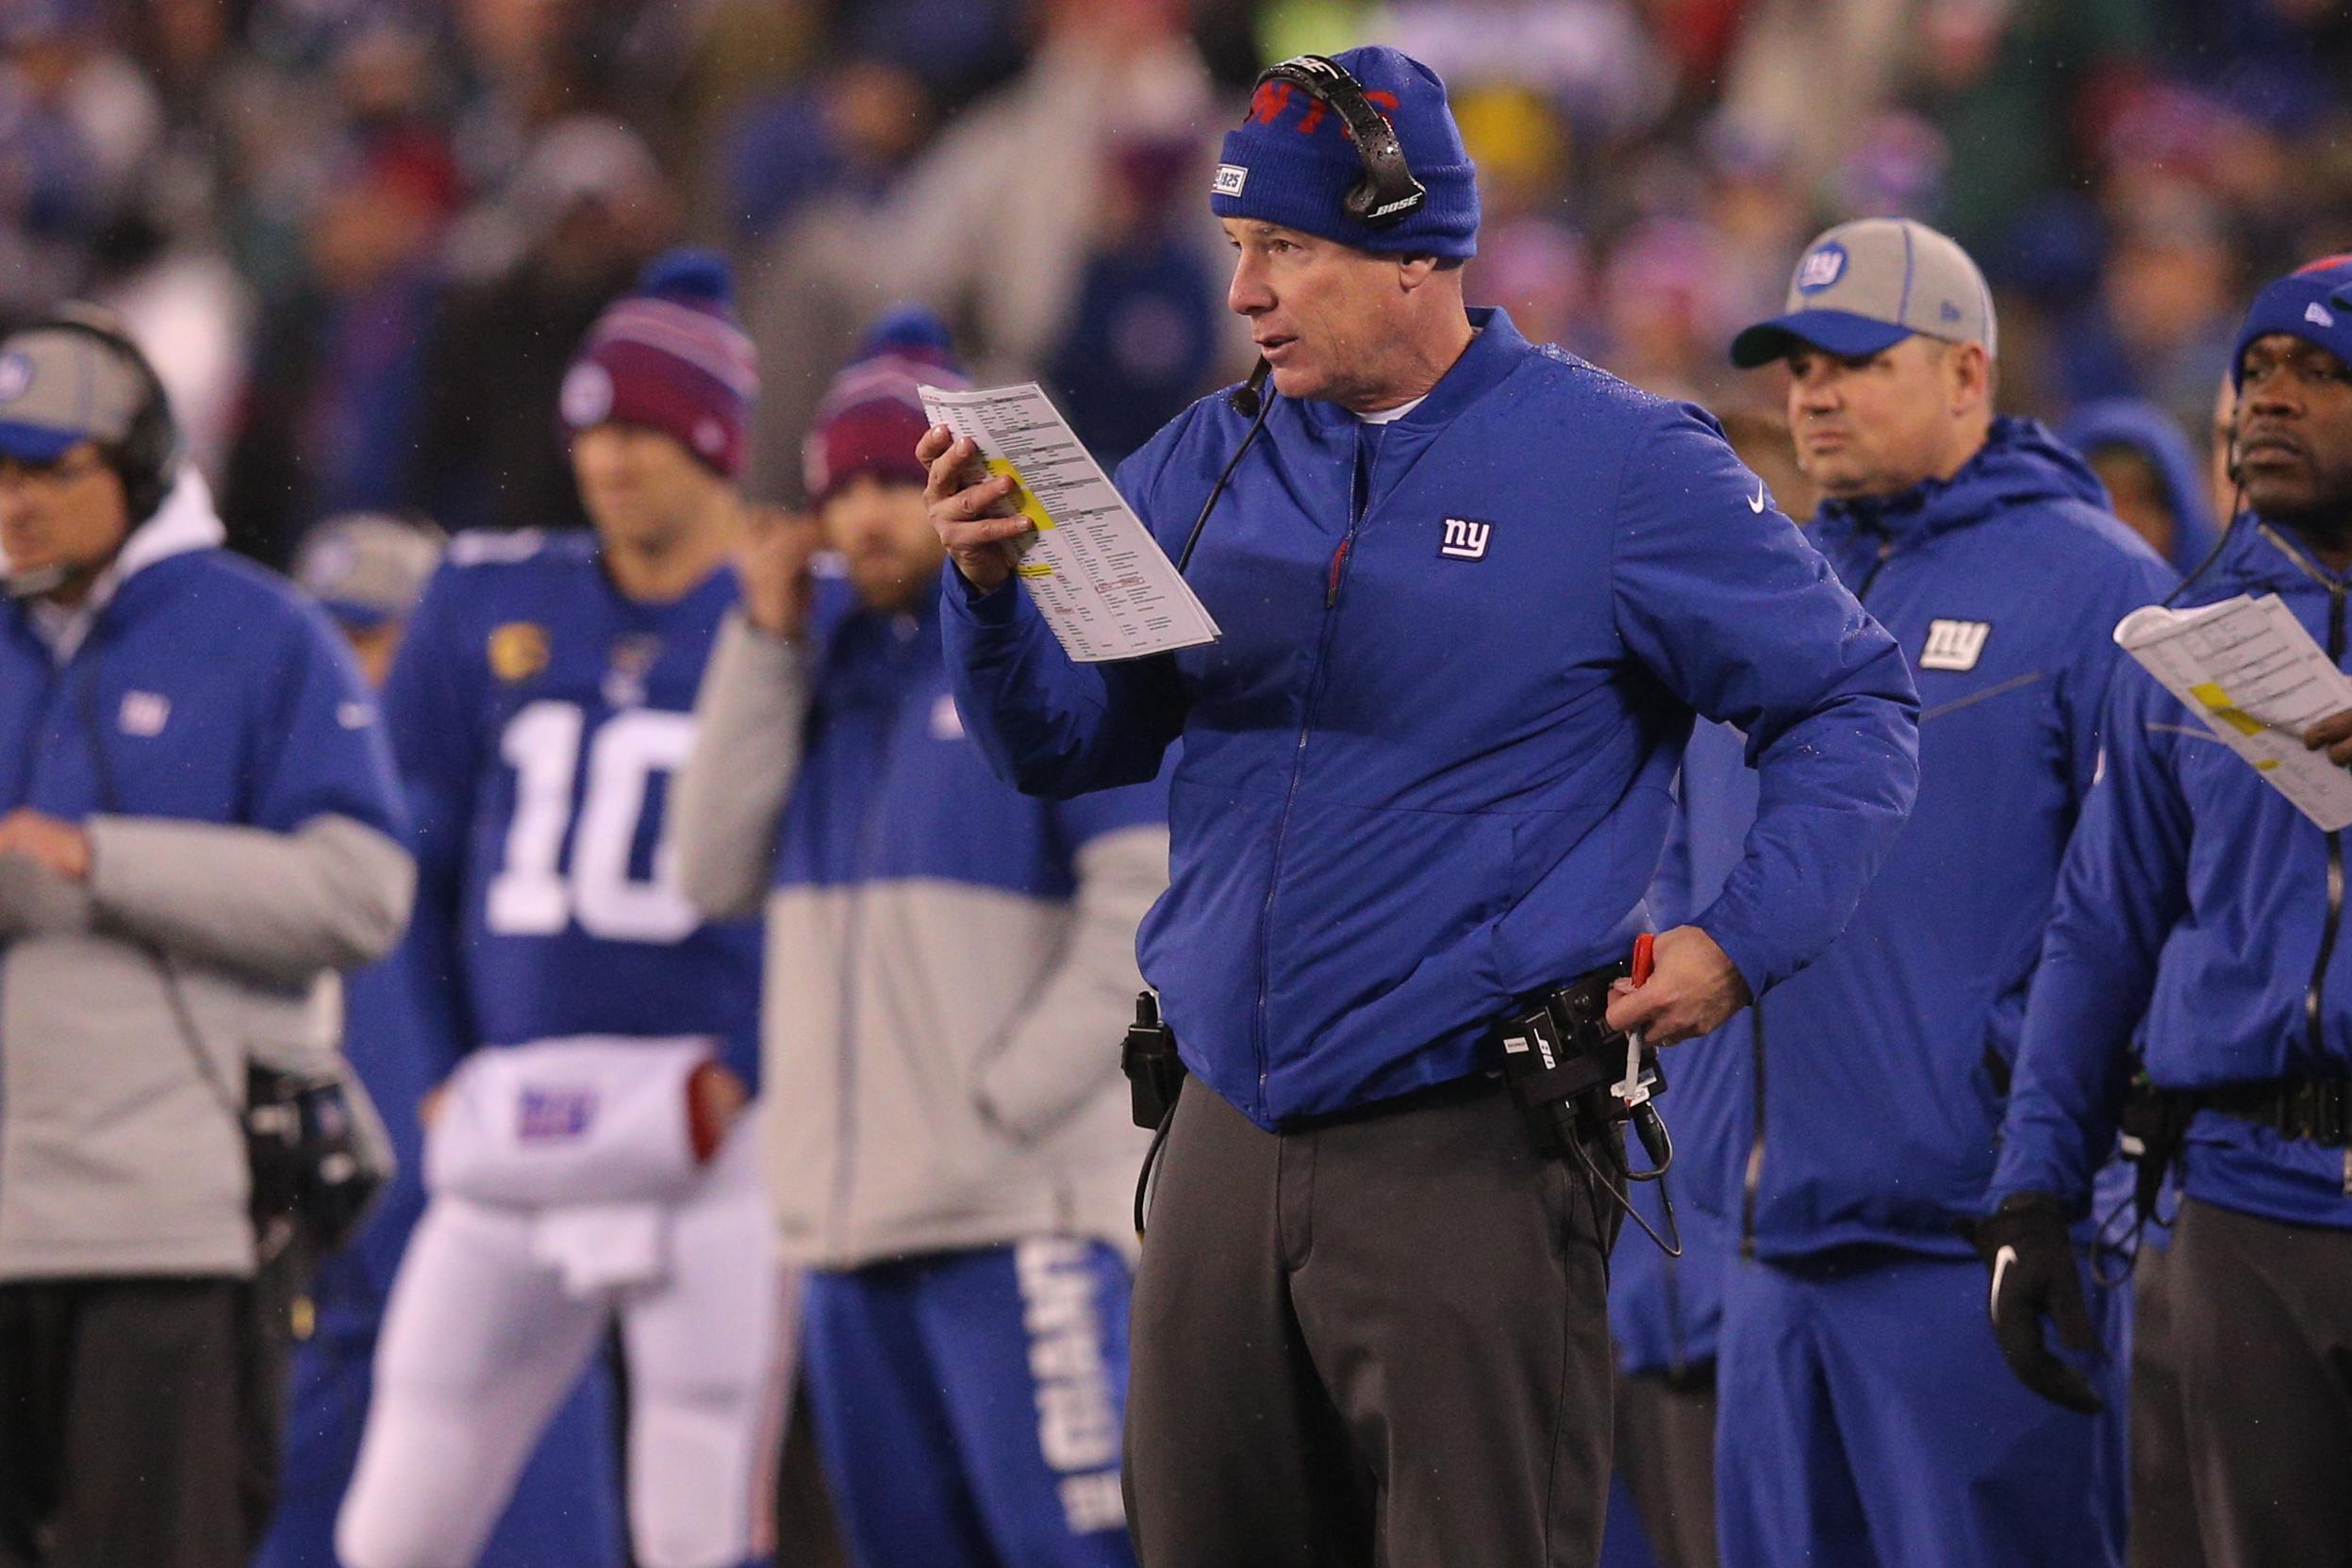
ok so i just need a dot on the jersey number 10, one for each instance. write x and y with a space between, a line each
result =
532 895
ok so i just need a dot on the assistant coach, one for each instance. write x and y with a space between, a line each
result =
1472 590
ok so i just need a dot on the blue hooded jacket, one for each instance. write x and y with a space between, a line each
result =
1858 1102
2196 893
1417 782
2143 427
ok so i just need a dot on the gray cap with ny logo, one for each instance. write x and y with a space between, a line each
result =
59 384
1863 287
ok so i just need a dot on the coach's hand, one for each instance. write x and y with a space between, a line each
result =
1693 987
774 565
2025 1244
971 508
2332 734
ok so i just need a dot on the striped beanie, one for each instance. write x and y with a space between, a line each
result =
872 415
671 357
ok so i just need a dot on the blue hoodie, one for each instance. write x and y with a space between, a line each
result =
1858 1102
2143 428
1418 781
2196 893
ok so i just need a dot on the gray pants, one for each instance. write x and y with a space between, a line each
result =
125 1432
1666 1453
2164 1531
2263 1330
1383 1339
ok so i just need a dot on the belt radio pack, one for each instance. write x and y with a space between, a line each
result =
1148 1056
1580 1082
1154 1077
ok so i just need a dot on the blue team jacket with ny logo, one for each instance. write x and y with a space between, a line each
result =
1426 767
2197 903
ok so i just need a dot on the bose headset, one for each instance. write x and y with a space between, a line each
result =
1384 196
1387 195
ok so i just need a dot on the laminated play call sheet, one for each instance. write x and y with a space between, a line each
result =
2250 671
1101 580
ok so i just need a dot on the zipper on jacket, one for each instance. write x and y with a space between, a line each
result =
1886 548
44 713
868 841
2313 997
1358 488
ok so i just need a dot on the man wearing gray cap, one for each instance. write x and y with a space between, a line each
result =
1865 1415
367 570
197 821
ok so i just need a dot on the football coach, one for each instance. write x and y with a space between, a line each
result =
1472 591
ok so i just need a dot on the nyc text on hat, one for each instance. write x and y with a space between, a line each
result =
1291 162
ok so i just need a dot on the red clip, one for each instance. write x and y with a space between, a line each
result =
1644 947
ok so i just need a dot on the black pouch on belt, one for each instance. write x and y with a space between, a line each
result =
1565 1063
1148 1056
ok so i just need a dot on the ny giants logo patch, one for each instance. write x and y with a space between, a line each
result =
1821 268
551 1115
1955 644
1465 539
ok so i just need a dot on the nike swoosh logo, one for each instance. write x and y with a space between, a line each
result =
1756 503
2002 1261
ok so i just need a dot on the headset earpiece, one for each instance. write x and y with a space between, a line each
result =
149 450
1387 193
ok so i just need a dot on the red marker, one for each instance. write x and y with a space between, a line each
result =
1644 948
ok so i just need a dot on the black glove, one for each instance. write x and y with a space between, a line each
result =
2025 1243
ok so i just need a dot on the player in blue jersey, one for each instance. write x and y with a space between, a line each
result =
585 1157
367 570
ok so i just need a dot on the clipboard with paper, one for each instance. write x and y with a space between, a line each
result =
2250 670
1102 583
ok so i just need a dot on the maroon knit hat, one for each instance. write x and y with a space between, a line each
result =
872 415
673 357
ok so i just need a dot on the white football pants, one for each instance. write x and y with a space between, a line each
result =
481 1342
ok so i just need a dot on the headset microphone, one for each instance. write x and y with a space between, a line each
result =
1245 399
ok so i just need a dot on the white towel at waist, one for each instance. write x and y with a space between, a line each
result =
585 1121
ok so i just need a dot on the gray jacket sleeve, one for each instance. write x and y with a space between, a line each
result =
725 802
1063 1049
333 895
35 902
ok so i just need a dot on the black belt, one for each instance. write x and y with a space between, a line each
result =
2315 1110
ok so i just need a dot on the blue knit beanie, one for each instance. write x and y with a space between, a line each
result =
2312 302
1292 160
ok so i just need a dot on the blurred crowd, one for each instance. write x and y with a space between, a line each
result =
362 237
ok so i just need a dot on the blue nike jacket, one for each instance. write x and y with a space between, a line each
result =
1427 765
1859 1102
2194 893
